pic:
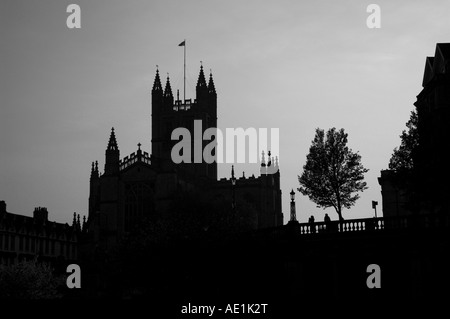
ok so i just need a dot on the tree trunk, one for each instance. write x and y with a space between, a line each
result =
341 219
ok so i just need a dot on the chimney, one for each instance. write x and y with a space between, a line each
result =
40 214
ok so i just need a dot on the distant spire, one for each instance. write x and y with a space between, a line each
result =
84 223
168 88
232 171
157 83
96 167
201 78
74 222
112 144
211 87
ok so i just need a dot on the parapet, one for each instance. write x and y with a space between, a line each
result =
186 106
134 158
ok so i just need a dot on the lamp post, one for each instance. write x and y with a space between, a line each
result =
293 214
233 184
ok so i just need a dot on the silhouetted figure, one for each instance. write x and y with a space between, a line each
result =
327 222
312 227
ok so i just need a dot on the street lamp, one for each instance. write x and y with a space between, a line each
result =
233 183
293 214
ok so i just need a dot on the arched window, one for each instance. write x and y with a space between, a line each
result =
138 203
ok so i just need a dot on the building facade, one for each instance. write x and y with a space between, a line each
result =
429 187
433 110
26 238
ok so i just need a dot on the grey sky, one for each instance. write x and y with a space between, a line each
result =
295 65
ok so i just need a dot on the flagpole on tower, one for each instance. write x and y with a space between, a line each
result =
183 44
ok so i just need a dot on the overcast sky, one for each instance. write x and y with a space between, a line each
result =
293 65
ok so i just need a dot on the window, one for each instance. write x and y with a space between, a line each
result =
13 242
6 242
138 203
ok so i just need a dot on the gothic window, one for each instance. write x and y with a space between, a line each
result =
6 242
13 242
138 203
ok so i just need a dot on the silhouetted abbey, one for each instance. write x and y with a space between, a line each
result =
141 185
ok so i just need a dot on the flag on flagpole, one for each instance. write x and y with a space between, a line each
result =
374 204
182 44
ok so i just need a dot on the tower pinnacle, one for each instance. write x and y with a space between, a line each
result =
168 88
201 83
211 87
112 155
112 144
157 83
92 169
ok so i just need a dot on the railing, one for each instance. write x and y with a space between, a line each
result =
179 106
421 223
134 158
353 225
425 221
